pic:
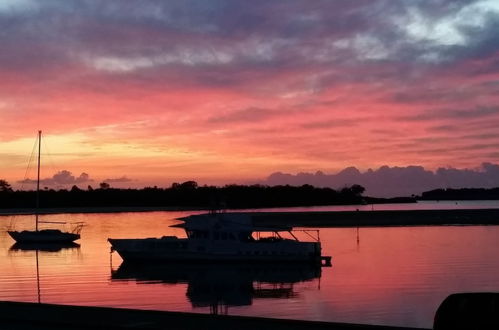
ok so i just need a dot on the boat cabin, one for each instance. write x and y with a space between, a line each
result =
236 228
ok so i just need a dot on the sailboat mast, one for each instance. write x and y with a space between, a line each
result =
38 177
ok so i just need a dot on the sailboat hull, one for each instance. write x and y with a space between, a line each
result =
43 236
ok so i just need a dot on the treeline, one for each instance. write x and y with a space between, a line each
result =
187 194
461 194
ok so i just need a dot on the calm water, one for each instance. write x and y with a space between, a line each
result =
391 276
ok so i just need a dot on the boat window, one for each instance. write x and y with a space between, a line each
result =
216 235
224 235
231 236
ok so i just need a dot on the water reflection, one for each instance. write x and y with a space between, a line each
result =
219 286
44 247
40 249
391 276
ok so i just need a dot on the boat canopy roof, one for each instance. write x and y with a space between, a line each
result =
225 221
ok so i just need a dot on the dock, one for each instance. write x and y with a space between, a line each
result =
31 316
473 217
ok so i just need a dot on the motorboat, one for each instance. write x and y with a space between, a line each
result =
223 237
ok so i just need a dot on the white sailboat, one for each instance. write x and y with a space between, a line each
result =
45 235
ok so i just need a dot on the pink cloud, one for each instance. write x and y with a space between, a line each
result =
311 88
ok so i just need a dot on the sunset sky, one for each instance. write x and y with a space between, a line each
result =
150 92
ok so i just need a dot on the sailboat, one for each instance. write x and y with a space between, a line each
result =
45 235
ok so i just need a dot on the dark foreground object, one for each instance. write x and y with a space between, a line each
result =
467 311
30 316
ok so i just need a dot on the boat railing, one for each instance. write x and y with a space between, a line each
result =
76 226
312 233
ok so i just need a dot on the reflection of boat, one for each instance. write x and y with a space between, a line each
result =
222 284
42 248
222 237
45 247
45 235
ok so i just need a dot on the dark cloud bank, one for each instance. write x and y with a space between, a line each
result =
66 178
118 180
396 181
63 177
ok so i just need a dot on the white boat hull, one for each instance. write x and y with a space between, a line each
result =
183 250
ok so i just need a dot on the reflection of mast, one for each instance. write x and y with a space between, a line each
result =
217 308
358 239
38 278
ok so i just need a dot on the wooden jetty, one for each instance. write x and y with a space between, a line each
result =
379 218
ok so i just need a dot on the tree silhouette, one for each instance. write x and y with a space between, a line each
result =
5 186
187 194
75 188
189 185
357 189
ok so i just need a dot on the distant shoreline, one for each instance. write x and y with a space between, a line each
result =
111 209
186 196
126 209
